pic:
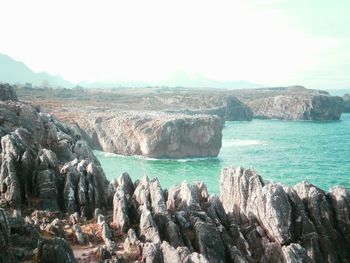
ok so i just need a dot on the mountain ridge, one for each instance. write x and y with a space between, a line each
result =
14 72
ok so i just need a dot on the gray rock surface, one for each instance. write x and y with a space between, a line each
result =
148 229
7 92
56 250
154 134
295 103
151 253
305 215
43 161
346 105
6 254
120 210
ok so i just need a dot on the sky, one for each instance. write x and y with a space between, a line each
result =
272 42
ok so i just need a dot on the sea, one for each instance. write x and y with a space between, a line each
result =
287 152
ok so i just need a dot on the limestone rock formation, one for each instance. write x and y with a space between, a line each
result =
154 134
295 103
5 241
282 215
7 92
346 105
228 108
56 250
45 164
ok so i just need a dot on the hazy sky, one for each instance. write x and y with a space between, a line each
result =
269 42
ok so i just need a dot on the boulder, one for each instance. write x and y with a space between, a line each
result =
170 255
7 92
55 250
148 229
120 210
151 253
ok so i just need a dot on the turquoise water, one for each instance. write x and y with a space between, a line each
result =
280 151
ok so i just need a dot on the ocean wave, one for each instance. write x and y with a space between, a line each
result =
233 143
182 160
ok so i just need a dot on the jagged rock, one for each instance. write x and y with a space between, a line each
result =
55 228
120 210
74 218
78 234
148 229
184 253
132 246
46 183
341 204
157 197
295 253
69 192
127 185
244 194
141 196
173 235
332 245
5 241
111 189
38 167
209 242
183 197
100 219
151 253
9 183
216 211
56 250
198 258
106 236
7 92
170 255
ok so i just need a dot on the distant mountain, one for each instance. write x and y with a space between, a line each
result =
13 71
177 79
183 79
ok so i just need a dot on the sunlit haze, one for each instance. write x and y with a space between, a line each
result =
266 42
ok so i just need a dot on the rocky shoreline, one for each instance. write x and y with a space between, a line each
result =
56 205
250 221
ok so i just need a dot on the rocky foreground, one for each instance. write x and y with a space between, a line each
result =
57 206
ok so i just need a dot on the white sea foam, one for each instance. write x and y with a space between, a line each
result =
233 143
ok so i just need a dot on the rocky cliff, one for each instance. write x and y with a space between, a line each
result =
153 134
292 103
45 163
346 106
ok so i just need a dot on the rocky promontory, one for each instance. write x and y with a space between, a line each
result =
153 134
293 103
